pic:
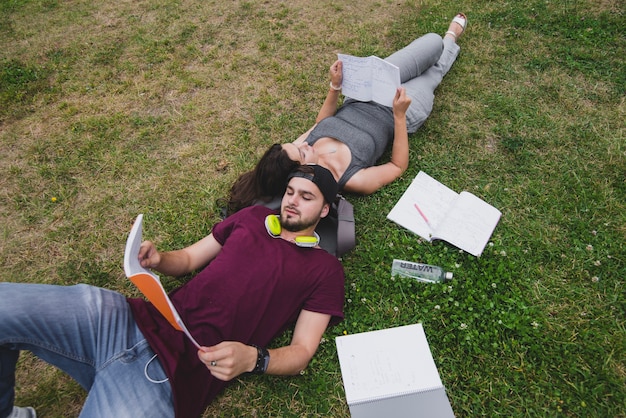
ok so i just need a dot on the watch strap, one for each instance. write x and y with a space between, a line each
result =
262 360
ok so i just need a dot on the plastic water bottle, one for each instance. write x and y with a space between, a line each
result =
420 272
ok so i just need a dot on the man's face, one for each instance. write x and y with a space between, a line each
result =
303 205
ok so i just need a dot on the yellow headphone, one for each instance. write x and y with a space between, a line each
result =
272 224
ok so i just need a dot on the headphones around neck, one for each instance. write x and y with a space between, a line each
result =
272 224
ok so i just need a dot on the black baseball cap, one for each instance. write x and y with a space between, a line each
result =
322 178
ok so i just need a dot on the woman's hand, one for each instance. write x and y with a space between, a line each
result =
336 73
401 103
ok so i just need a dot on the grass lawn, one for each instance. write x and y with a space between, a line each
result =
111 109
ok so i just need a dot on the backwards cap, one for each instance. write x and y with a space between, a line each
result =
322 178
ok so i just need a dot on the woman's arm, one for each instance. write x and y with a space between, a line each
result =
329 108
369 180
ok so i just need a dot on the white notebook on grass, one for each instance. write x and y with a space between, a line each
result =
391 373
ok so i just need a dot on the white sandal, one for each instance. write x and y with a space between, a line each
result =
461 20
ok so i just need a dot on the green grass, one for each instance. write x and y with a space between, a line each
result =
108 110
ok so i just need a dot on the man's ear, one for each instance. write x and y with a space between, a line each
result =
325 210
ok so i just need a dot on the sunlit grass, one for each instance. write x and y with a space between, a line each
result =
112 109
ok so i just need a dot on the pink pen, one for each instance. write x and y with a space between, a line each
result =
422 214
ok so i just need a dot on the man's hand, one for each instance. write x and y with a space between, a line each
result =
148 255
228 359
401 103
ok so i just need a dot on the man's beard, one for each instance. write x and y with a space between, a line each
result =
297 225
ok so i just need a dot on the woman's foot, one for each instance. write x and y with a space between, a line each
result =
457 27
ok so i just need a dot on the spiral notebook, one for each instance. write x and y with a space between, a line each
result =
391 373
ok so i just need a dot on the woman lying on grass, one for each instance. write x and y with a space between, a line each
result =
350 139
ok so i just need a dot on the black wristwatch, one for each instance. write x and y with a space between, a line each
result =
262 360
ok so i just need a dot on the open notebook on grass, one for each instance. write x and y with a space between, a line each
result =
149 283
433 211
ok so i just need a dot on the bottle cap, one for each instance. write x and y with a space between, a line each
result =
448 275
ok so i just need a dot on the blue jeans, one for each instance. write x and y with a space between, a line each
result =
89 333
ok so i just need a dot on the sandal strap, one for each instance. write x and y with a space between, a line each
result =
461 20
451 33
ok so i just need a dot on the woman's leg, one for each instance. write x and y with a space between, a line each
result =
417 57
421 89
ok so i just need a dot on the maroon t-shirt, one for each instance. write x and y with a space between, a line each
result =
251 292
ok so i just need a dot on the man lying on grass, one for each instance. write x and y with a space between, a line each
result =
263 274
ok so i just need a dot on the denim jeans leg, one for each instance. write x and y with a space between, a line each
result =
80 329
8 359
133 385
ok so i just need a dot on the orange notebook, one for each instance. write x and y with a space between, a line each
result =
149 283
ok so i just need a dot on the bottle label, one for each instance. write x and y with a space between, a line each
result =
416 266
418 271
